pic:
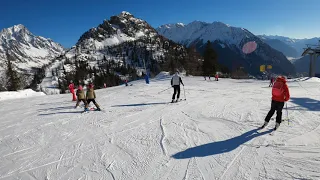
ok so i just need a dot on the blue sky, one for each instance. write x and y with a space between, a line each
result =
65 21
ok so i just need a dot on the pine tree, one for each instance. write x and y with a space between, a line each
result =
14 81
210 63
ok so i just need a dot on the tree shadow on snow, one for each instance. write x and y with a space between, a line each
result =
219 147
66 112
142 104
308 103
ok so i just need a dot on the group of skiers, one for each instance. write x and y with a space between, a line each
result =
216 77
80 95
280 94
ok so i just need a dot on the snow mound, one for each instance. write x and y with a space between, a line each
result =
163 75
19 94
313 79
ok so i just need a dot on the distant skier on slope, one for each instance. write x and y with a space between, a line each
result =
71 88
271 81
217 77
81 97
280 94
175 83
91 96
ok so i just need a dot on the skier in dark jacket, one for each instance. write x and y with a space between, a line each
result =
175 83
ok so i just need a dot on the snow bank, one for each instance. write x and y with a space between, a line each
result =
163 75
19 94
313 79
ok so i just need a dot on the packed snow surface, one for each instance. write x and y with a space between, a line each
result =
139 135
18 94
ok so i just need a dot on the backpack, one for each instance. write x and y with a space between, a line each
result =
278 90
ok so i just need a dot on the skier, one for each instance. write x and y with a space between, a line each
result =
205 78
81 97
217 77
126 82
146 77
91 95
271 81
175 83
104 85
280 94
71 88
209 77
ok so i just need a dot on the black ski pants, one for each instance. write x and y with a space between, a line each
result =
275 106
94 102
176 90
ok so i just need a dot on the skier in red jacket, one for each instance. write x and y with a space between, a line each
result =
280 94
71 88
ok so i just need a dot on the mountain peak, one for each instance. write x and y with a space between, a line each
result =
218 23
19 26
180 24
125 14
28 49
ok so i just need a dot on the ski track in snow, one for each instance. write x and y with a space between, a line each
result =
139 133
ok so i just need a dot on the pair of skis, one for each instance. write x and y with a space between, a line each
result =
91 109
178 101
271 133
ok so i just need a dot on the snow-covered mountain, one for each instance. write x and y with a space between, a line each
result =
126 40
228 42
27 49
297 44
289 51
122 28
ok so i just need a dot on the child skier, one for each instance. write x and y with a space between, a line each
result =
71 88
217 77
81 97
280 94
91 95
175 83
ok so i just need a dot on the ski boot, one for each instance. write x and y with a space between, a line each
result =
264 125
277 126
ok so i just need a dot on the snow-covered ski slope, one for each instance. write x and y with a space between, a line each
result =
212 135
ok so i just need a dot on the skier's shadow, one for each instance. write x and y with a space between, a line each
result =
219 147
141 104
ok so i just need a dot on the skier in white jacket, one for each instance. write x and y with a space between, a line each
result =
175 83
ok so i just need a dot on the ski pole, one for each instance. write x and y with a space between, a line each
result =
185 98
287 112
164 90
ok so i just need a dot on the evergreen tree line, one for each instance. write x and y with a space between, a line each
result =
122 61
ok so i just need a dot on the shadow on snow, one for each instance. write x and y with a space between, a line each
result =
141 104
308 103
65 112
219 147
